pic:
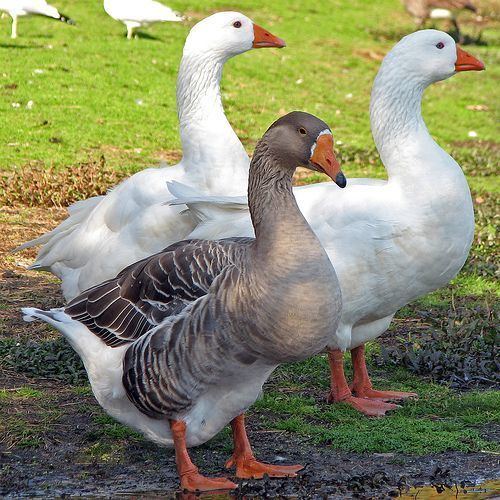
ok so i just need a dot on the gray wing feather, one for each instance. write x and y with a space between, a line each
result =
143 295
168 368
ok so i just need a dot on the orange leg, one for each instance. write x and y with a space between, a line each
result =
191 479
243 458
362 385
341 393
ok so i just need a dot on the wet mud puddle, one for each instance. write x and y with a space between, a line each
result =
487 490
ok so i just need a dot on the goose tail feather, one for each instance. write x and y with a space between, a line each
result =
78 212
204 207
54 317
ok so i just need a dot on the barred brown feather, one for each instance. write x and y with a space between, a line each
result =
144 294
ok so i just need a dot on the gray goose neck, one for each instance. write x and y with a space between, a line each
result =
288 271
270 197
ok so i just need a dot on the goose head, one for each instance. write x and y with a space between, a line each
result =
300 139
429 56
227 34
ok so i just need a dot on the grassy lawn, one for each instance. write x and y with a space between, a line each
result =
70 96
95 94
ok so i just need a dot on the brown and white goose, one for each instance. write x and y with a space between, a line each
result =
422 10
179 344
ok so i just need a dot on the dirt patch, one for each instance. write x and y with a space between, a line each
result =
168 156
18 286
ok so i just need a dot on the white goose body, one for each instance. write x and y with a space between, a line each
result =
390 241
21 8
104 234
138 13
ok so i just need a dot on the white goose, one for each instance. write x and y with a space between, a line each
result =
137 13
179 344
21 8
104 234
390 241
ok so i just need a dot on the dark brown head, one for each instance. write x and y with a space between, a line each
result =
300 139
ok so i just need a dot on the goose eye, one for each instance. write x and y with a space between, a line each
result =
440 45
237 24
302 131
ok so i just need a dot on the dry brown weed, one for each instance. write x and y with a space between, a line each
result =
36 185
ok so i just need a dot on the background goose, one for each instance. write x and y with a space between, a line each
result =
137 13
390 242
103 235
222 310
21 8
422 10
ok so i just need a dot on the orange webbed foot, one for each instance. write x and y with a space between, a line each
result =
194 481
384 395
250 468
369 407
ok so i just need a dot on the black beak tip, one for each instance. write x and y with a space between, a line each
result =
340 180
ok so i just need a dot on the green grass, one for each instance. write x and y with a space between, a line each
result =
476 288
440 420
86 81
112 429
22 392
26 414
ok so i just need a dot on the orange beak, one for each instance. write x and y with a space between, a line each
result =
467 62
325 160
262 38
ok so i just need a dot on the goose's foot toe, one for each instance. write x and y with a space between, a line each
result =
252 469
384 395
369 407
196 482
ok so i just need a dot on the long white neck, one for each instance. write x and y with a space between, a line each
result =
211 149
430 178
399 131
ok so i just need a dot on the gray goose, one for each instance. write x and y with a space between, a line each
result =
422 10
179 344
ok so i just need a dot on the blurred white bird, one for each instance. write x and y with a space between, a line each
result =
136 13
20 8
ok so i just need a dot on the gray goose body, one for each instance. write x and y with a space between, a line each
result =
193 332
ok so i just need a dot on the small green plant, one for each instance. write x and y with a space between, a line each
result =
49 359
460 349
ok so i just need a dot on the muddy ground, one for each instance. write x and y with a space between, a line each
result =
56 470
65 462
58 442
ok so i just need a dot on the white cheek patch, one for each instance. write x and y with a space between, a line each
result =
323 132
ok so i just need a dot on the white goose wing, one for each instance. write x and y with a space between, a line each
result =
38 7
105 234
226 216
